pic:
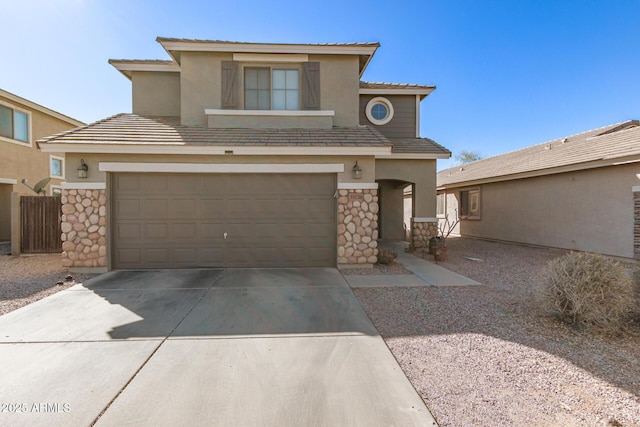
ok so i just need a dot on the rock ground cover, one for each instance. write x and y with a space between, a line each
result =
487 355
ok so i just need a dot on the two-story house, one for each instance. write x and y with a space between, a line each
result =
248 155
22 122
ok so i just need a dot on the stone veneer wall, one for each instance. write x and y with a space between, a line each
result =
358 226
84 228
636 222
421 232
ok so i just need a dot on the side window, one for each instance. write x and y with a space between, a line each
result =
441 207
470 204
56 167
14 124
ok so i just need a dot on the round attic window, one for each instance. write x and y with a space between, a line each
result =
379 111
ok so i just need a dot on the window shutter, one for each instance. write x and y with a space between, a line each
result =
311 86
229 85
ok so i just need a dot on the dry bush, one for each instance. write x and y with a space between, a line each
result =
386 256
588 289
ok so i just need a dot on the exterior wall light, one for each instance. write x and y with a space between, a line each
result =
82 169
357 171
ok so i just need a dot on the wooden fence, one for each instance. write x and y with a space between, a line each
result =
40 224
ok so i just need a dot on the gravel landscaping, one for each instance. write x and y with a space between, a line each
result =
29 278
487 355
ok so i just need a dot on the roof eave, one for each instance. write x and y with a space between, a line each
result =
423 92
127 67
185 149
41 108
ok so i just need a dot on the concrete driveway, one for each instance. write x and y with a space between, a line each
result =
250 347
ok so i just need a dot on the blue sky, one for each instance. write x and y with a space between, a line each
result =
509 74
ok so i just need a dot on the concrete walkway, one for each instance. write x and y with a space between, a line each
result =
253 347
425 272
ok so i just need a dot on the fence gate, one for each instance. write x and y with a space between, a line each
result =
40 224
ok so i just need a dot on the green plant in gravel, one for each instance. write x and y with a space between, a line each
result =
386 256
588 289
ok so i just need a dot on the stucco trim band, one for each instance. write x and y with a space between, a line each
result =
221 167
635 189
8 181
217 150
357 186
424 219
271 113
83 185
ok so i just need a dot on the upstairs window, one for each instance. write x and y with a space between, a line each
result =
271 89
14 124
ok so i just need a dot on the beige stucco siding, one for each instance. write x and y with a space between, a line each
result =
94 175
589 210
339 81
391 211
200 77
156 93
420 172
403 123
5 212
200 85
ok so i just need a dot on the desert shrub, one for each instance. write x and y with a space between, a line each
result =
588 289
386 256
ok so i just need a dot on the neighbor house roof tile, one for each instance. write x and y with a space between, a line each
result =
617 141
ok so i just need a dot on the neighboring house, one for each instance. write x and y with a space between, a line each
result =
22 122
248 155
581 192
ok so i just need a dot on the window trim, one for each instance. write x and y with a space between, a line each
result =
62 165
29 142
271 68
471 193
444 205
383 101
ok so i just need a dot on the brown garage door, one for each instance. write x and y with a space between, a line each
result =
181 220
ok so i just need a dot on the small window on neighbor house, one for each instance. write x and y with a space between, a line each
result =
56 167
14 124
440 205
470 204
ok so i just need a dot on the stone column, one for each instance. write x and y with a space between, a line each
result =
357 226
422 229
84 228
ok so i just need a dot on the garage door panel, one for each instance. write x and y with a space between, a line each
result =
211 230
155 208
127 183
154 183
179 220
126 231
128 208
157 255
156 231
184 231
211 208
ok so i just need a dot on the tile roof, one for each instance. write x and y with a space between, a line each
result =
128 129
417 145
381 85
180 40
607 143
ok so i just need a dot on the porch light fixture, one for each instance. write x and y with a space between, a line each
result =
357 171
82 169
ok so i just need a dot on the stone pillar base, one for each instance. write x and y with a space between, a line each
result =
422 229
357 226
